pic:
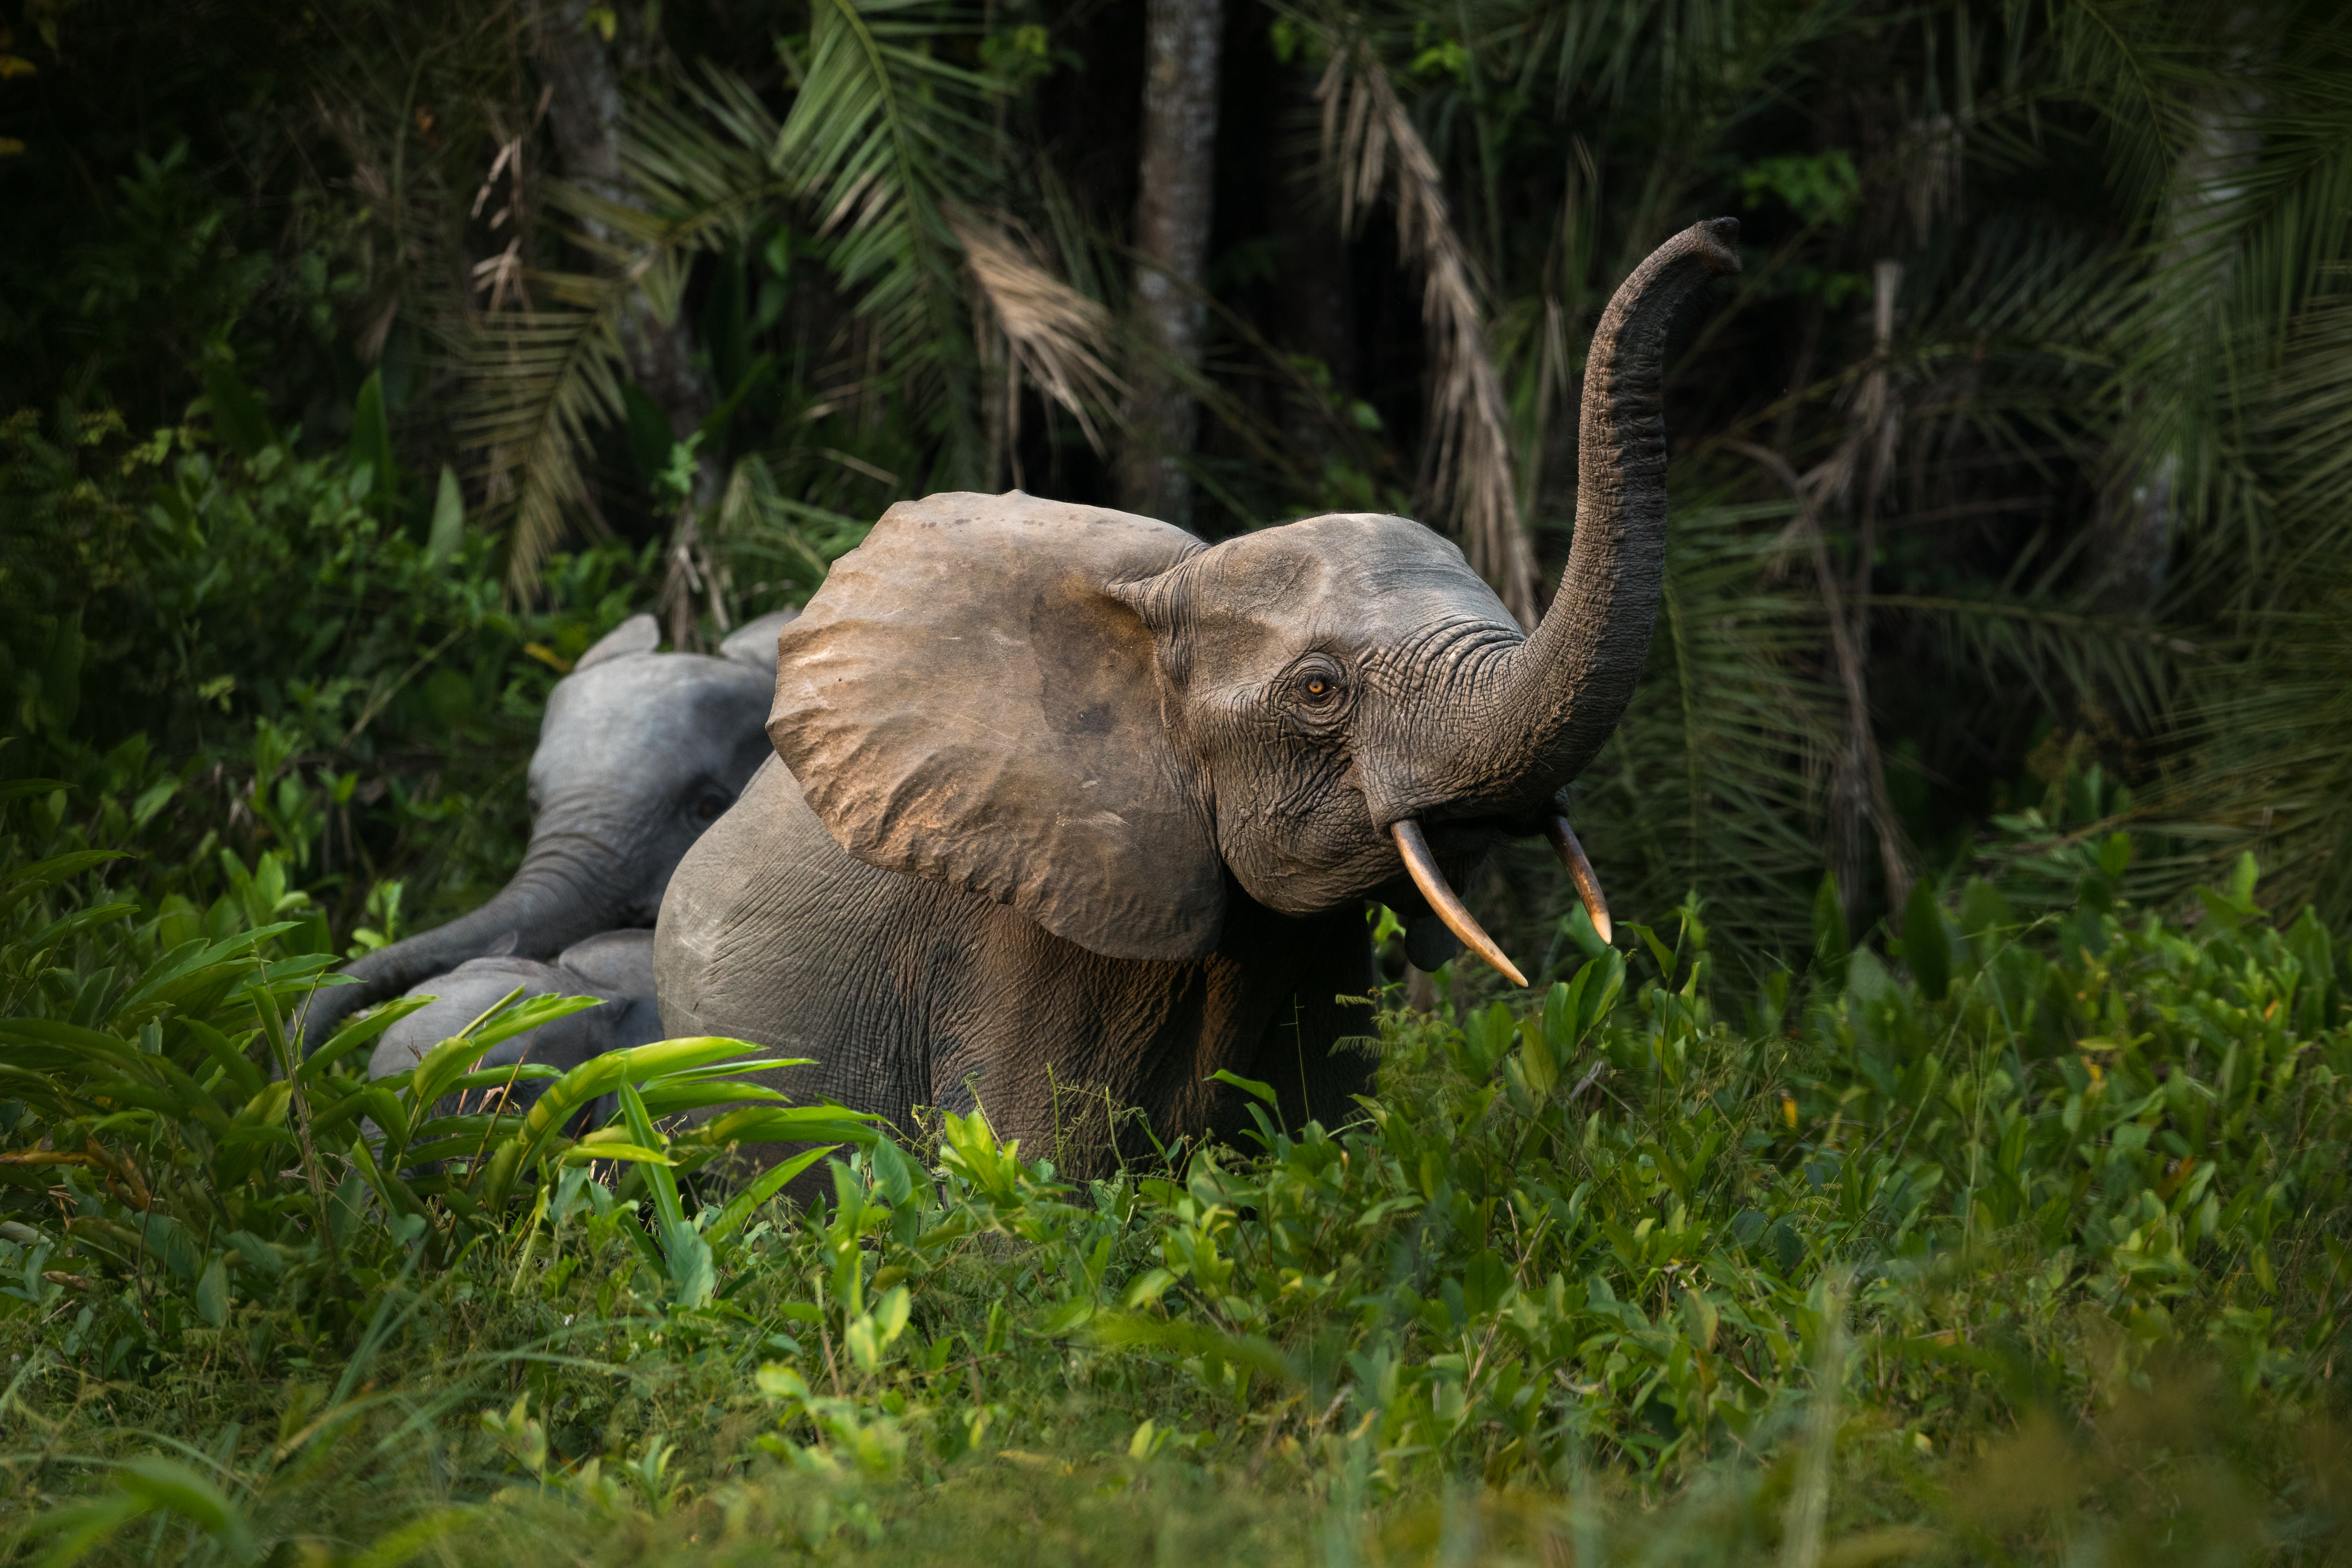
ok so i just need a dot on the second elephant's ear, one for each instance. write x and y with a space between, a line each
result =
639 634
753 645
965 700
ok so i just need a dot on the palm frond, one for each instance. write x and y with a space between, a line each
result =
538 383
789 543
2264 757
1466 459
1055 334
1715 779
881 131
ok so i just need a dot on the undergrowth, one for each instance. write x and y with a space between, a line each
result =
2032 1248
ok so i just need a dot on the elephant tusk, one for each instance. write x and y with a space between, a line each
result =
1580 871
1432 883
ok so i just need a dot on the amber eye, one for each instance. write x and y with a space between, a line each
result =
1318 686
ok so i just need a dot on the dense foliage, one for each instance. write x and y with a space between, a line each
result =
209 650
2016 445
1958 1174
1829 1259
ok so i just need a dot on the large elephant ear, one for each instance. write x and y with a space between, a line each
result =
965 700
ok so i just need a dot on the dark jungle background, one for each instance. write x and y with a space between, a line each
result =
361 364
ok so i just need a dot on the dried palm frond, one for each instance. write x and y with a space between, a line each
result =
1055 334
1466 461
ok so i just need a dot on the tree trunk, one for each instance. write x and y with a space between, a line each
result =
586 112
1178 179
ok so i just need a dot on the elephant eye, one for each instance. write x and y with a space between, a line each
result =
1317 688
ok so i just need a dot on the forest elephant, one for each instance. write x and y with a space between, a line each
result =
1071 811
638 752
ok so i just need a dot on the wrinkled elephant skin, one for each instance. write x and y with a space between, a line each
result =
1072 811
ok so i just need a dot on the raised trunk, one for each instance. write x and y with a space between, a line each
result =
1559 695
1178 173
543 911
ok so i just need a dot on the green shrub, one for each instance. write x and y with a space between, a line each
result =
1612 1241
256 650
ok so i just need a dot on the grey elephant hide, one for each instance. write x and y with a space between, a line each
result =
638 752
1072 812
614 966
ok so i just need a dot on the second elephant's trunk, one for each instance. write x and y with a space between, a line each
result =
548 906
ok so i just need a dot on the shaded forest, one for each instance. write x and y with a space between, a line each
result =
2009 476
1950 1160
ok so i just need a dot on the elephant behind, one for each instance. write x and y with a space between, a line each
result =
638 752
1070 809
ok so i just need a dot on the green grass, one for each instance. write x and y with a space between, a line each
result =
2032 1249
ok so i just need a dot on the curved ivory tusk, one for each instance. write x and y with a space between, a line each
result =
1432 883
1580 871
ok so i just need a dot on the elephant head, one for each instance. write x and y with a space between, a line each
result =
1095 719
638 752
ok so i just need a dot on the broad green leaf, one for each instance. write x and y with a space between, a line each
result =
358 1032
1925 948
745 1203
1264 1091
449 531
626 1153
171 1486
1829 942
212 1293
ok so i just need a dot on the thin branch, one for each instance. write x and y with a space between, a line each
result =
1862 742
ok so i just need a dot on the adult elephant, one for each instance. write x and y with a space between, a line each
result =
638 752
1073 811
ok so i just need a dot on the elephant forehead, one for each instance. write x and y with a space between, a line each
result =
1354 579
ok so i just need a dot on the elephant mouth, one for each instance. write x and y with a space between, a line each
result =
1461 840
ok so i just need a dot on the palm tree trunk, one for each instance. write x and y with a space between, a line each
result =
585 108
1178 179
